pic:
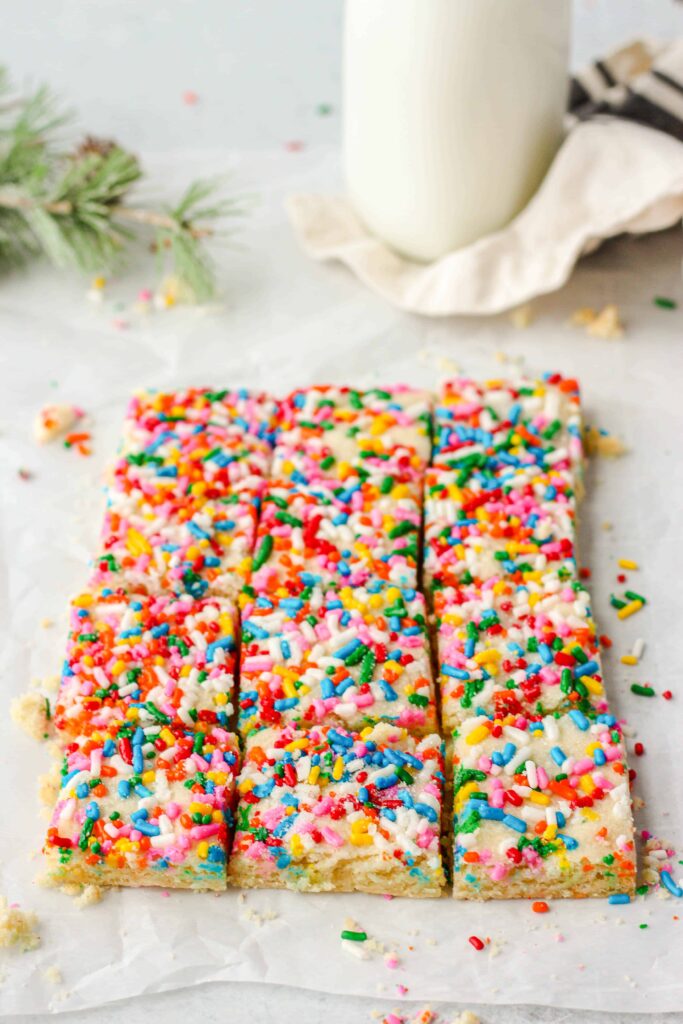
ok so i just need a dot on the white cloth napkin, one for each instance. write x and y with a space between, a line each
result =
611 175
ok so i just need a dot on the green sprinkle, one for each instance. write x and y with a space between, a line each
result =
642 691
354 936
616 602
632 596
664 303
263 553
642 890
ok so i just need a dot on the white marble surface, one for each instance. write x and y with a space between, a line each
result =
260 70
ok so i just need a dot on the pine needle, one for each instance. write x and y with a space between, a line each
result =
75 208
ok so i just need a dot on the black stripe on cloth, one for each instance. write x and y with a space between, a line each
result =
638 108
605 72
577 94
667 80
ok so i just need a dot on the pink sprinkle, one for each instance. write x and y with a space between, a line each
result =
294 146
144 295
190 98
120 324
402 990
392 961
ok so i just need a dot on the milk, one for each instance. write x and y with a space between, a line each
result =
453 111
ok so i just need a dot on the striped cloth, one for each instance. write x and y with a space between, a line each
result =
642 82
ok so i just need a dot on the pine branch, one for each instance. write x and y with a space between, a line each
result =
75 207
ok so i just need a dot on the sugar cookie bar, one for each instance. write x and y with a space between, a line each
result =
192 546
509 428
542 809
523 649
196 441
145 807
326 810
245 414
346 419
338 535
339 435
474 528
148 660
352 656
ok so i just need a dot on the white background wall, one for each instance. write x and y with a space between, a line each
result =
260 67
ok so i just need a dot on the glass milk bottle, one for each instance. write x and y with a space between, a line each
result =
453 111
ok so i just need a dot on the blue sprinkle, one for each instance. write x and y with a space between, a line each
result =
454 673
619 897
668 883
589 668
579 719
515 823
286 703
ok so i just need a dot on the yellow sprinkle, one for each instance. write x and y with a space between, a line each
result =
463 794
137 544
167 736
296 845
289 688
297 745
550 832
148 777
203 849
629 609
246 785
220 698
592 685
198 808
313 775
628 659
83 600
99 282
483 657
586 784
539 798
338 769
477 735
361 839
627 563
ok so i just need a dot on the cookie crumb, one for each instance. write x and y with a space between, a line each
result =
31 712
601 443
18 927
606 324
522 316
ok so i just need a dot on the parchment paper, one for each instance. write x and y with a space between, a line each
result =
286 323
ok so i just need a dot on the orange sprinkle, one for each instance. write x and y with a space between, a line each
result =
540 907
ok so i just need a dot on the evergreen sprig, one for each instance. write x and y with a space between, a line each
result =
74 206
